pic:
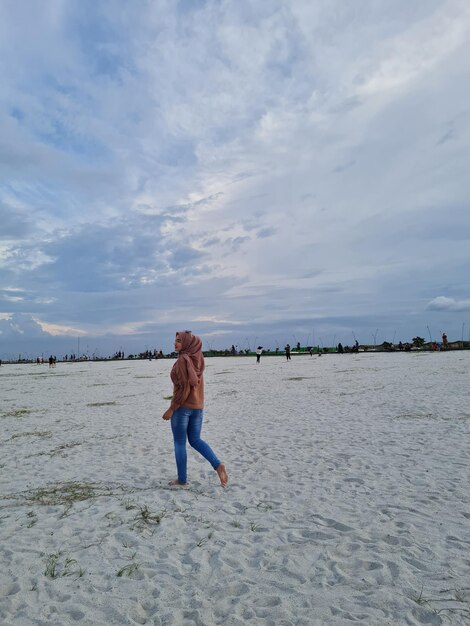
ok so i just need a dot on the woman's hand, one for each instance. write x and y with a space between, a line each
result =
167 415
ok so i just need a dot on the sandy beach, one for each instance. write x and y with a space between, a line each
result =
348 500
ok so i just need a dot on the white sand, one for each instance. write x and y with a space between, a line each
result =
348 500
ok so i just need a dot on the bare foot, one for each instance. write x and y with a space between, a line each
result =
177 483
222 474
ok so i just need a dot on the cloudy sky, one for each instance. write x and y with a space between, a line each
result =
258 172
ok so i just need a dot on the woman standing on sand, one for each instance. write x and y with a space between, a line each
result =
187 404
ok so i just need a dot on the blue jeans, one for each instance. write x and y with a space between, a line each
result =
188 423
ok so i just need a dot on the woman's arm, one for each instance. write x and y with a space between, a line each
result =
180 395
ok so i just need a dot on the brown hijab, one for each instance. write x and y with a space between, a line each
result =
189 365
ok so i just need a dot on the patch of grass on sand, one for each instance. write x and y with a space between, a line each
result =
446 603
128 570
16 413
65 493
33 433
55 568
202 542
60 449
146 516
300 378
33 518
101 403
168 397
264 506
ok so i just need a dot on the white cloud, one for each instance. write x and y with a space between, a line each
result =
441 303
58 329
419 48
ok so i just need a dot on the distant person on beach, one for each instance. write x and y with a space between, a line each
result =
444 341
259 352
187 404
340 348
287 349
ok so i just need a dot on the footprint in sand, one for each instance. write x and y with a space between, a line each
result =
10 590
237 589
391 540
394 570
326 521
417 564
76 614
234 564
287 573
356 481
267 601
368 565
315 535
144 614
